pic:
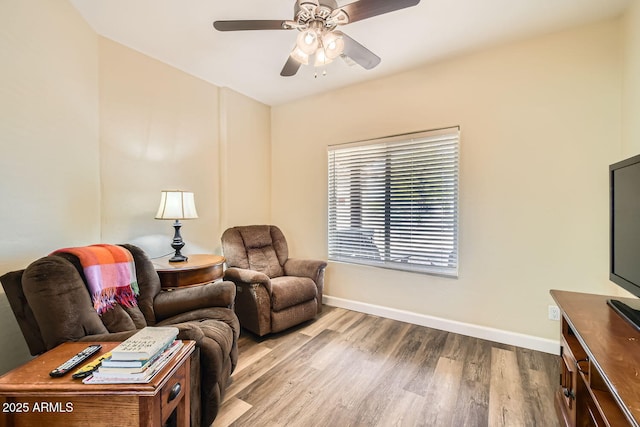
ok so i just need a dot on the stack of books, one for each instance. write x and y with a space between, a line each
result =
139 358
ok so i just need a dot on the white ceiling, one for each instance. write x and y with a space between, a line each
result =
180 33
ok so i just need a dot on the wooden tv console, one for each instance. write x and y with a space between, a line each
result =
600 363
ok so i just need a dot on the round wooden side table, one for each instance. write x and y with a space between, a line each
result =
199 269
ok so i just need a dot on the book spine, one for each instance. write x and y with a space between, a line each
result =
145 376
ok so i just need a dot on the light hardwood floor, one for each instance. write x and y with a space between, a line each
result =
353 369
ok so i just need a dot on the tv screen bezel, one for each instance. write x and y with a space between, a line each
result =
634 288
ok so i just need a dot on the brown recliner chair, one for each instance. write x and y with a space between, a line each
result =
52 305
274 292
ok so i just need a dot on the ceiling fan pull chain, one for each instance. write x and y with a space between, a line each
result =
324 74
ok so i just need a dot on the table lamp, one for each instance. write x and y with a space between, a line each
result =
177 205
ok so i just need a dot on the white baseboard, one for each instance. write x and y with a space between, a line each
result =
483 332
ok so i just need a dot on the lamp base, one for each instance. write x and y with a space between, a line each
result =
177 244
178 257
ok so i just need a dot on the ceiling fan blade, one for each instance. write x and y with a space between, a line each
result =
249 25
290 68
364 9
359 53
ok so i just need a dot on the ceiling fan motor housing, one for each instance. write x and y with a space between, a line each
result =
324 11
331 4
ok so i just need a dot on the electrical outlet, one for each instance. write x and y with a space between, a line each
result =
554 312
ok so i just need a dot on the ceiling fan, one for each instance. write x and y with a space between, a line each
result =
319 42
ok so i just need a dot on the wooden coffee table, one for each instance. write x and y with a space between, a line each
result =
30 397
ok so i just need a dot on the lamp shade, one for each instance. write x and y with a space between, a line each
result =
177 205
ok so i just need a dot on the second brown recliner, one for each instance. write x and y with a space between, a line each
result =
273 292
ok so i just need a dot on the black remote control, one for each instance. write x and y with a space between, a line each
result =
75 360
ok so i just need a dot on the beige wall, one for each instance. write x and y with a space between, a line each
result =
158 131
540 123
161 128
49 164
245 160
631 81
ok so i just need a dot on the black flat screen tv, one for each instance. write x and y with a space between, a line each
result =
624 250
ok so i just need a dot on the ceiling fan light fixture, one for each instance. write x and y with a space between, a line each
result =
299 56
307 41
321 58
333 44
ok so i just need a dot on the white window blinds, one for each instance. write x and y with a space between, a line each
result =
393 202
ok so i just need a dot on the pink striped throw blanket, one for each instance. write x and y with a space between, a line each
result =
110 273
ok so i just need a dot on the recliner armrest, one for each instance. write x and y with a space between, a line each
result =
182 300
242 275
109 337
304 268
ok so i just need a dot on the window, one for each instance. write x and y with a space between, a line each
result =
393 202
